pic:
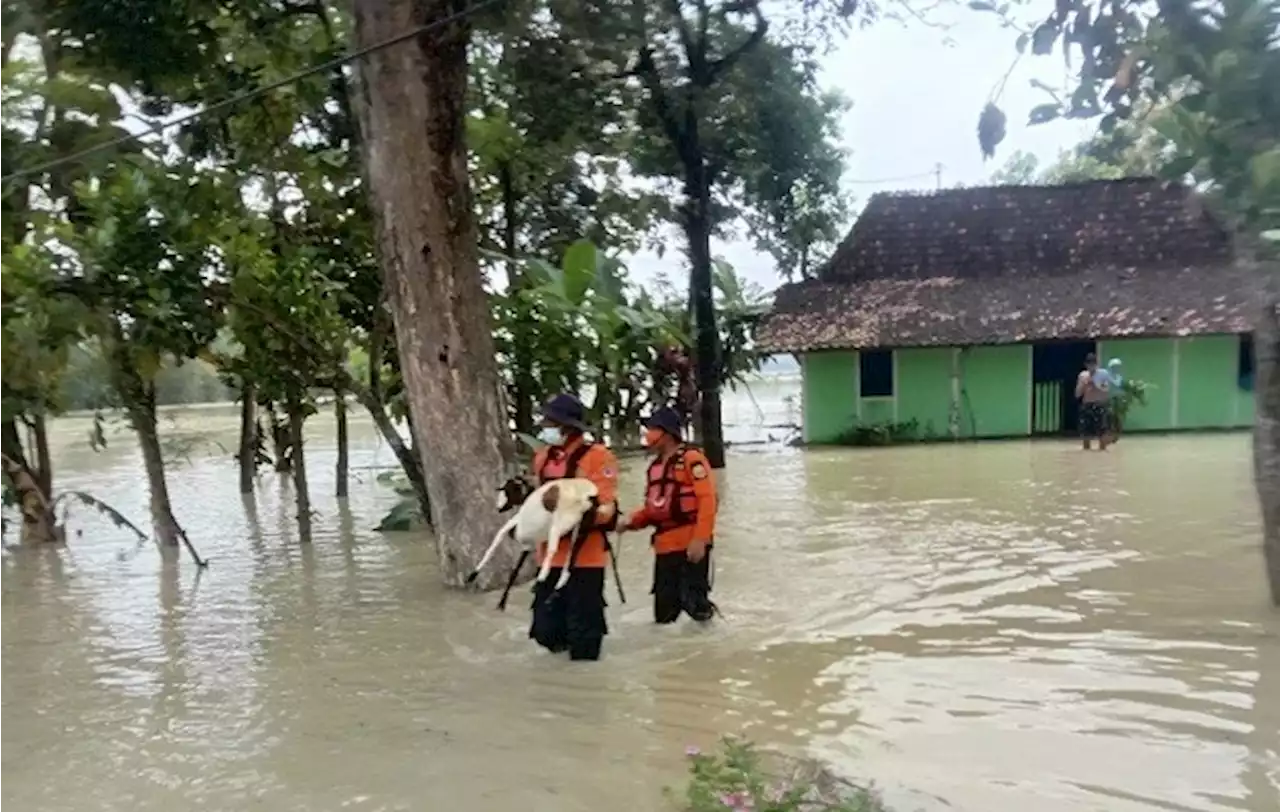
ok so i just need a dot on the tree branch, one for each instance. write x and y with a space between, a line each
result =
718 68
647 71
692 51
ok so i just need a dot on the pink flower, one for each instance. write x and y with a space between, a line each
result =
737 801
692 750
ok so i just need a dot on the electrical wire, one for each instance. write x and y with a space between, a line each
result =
918 176
253 94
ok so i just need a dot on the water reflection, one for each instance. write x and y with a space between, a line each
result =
1002 626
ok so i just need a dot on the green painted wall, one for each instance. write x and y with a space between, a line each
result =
1151 360
924 389
1193 385
1207 367
875 411
997 381
828 393
1193 382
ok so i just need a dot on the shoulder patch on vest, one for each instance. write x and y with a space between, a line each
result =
698 470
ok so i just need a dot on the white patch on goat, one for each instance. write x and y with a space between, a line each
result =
533 523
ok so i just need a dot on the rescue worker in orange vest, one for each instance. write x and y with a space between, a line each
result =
680 506
573 618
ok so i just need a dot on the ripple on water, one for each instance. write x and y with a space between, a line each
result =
1046 631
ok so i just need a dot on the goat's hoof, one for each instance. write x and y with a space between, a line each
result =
471 579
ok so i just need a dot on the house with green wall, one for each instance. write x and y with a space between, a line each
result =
969 312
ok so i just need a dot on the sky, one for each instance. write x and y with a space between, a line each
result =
915 103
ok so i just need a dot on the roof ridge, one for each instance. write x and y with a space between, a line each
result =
985 230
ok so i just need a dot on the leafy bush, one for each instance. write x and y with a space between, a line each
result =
739 778
406 514
887 433
1132 391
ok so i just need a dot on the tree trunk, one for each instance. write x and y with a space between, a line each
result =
340 414
521 362
247 456
1266 433
44 461
706 331
141 408
39 522
373 401
408 458
412 107
301 495
280 443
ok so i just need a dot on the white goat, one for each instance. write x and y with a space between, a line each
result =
551 512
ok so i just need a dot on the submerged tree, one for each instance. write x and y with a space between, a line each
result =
412 106
142 270
736 119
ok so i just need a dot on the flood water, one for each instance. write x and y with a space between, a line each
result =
996 627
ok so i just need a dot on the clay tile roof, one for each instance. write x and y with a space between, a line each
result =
1009 264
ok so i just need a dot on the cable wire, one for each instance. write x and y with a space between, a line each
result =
253 94
917 176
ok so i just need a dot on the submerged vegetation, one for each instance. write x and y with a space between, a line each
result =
738 777
238 256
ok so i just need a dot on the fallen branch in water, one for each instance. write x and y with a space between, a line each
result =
120 520
191 548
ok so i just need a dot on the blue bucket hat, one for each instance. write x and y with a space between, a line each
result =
565 410
666 419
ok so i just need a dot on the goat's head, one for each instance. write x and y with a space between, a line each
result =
512 493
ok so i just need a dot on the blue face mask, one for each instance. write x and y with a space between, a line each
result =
551 435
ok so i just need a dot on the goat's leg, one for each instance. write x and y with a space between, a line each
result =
507 531
559 527
573 550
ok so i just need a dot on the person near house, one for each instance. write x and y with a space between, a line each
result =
1115 391
1093 390
573 618
680 507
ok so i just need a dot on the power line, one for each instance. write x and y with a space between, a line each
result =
253 94
932 173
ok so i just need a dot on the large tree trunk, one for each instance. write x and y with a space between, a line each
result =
140 405
340 415
706 331
521 362
39 522
412 109
295 414
1266 436
247 455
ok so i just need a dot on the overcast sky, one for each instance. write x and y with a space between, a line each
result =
915 104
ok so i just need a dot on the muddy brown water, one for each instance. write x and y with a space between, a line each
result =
1004 626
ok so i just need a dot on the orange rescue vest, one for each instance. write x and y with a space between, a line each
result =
669 502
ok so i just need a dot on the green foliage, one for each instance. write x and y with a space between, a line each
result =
886 433
1133 391
143 262
1193 89
584 325
406 513
739 778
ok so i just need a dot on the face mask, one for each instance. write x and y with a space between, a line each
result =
551 435
652 437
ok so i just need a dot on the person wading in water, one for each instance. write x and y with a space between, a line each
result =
1093 391
680 506
573 618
